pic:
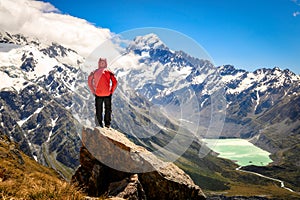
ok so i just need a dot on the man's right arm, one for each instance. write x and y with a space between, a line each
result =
91 82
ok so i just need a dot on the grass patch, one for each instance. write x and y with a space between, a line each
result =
21 177
269 191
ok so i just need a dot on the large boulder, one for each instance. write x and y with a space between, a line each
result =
113 166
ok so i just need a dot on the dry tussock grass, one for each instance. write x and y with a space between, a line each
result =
39 186
28 180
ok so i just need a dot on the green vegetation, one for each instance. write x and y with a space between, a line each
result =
287 169
51 161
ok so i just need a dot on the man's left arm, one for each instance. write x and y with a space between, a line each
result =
114 83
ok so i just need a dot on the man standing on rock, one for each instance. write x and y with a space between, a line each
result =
102 83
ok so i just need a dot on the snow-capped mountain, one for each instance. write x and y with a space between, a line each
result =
165 70
262 106
176 83
36 93
169 78
147 42
44 98
250 95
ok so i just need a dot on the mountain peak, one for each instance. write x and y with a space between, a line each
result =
17 39
146 42
277 73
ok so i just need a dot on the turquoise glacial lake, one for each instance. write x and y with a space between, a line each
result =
240 151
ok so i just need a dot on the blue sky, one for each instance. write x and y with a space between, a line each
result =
248 34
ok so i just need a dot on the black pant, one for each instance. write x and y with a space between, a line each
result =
99 110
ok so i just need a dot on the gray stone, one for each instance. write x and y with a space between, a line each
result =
113 165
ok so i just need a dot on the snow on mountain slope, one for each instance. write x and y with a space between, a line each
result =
259 80
36 97
29 60
159 74
157 71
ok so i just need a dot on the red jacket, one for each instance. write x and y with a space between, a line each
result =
100 80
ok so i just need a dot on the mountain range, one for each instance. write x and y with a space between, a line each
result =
164 97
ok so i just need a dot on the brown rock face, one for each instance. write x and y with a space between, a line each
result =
113 166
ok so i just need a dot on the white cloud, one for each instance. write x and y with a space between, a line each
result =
296 2
295 14
44 21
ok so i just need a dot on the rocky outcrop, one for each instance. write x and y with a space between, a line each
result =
113 166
